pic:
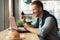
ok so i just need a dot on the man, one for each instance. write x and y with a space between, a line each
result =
46 25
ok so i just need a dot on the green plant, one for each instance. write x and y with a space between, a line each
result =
19 23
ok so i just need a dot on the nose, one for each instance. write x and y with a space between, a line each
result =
33 12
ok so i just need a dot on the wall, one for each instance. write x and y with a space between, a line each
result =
1 15
6 12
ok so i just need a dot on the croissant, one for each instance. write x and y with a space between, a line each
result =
14 35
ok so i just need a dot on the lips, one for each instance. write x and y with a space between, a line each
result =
35 15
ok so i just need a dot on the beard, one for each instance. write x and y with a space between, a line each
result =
36 14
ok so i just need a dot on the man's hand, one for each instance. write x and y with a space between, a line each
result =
23 18
29 28
26 25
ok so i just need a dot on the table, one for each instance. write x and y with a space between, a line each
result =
28 36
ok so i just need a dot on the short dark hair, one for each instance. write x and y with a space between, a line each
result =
38 3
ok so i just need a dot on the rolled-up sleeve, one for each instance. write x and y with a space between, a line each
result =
48 25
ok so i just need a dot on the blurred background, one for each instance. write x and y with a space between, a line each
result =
14 8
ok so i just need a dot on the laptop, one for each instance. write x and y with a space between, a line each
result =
14 26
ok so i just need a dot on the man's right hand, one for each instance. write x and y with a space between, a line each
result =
23 18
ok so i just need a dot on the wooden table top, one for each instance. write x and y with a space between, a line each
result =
27 36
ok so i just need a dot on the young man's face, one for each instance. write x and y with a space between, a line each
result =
36 10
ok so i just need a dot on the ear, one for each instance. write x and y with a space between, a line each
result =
40 8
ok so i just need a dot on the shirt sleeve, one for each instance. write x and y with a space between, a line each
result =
48 25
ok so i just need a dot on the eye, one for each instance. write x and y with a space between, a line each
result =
33 9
